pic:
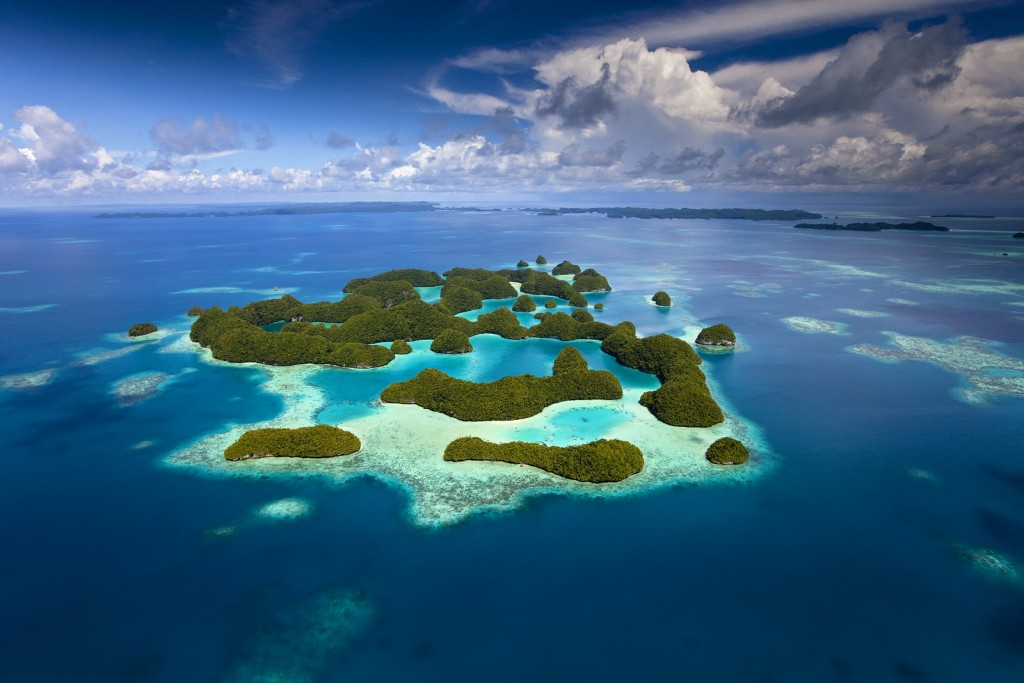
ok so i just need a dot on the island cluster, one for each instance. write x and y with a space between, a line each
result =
380 315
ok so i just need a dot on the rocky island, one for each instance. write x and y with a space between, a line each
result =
381 314
717 335
141 329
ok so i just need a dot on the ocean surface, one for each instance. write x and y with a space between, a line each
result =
876 535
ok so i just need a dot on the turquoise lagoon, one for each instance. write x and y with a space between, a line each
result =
876 535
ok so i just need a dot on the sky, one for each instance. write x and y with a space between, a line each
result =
671 103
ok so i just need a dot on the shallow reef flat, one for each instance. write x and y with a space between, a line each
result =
965 286
991 564
403 445
859 313
799 323
988 372
139 387
25 381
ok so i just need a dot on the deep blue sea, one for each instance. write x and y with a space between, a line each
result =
882 540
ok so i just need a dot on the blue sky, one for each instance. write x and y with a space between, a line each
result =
509 100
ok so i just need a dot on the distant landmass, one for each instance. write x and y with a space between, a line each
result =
287 210
958 215
874 227
728 214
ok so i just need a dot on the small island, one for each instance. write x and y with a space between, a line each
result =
524 304
400 347
604 460
141 329
717 335
541 261
509 398
566 268
662 299
451 342
320 441
522 264
195 312
727 451
1018 235
919 226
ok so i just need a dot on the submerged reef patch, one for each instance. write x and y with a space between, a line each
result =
988 372
990 564
965 286
138 388
858 313
295 645
25 381
799 323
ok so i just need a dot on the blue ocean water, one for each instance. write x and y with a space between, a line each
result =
885 544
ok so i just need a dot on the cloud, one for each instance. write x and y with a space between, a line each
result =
11 159
576 106
201 137
262 138
277 33
867 65
687 160
572 156
338 141
55 145
758 19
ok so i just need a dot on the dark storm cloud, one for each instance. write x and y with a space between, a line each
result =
689 159
578 107
338 141
174 136
572 156
850 84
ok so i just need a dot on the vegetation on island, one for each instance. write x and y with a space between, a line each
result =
524 304
509 398
233 339
400 347
550 303
874 227
414 276
717 335
195 311
598 307
544 284
461 299
577 300
451 342
727 214
501 322
567 327
141 329
601 461
522 264
320 441
683 400
590 281
541 260
662 299
727 451
566 268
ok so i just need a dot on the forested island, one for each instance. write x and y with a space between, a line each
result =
379 315
285 210
600 461
319 441
705 214
874 227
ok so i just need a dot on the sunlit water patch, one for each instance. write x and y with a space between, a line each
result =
987 372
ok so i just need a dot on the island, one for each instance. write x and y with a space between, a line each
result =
1018 235
451 342
541 260
522 264
380 314
727 451
919 226
601 461
958 215
566 268
286 210
509 398
195 311
662 299
689 214
141 329
717 335
319 441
